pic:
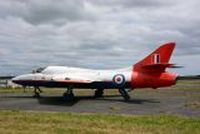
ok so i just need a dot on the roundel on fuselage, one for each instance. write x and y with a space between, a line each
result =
119 80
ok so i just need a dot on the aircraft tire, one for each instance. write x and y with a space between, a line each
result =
36 95
68 97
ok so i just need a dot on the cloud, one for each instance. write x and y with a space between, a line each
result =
46 11
131 3
94 34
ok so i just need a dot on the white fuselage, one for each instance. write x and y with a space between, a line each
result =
61 72
72 75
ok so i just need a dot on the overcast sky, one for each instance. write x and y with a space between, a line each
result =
99 34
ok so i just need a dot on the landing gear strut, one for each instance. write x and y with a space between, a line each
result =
124 94
69 95
37 92
98 93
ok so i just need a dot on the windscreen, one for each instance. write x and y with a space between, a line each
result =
38 70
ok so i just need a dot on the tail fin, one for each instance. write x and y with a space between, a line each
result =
158 60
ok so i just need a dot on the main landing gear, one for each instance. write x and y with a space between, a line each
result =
69 95
124 94
37 92
98 93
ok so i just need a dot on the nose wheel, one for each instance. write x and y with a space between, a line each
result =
124 94
37 92
69 95
98 93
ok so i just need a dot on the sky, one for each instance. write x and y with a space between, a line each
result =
96 34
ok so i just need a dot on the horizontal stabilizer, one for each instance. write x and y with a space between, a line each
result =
161 65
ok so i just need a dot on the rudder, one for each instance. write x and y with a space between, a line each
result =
160 56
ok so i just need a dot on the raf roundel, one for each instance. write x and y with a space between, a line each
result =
119 80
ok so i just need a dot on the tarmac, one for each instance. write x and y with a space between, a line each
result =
182 99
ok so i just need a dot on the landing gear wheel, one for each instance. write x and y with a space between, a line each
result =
37 92
98 93
68 95
124 94
36 95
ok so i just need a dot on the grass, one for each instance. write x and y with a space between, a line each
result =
193 82
54 122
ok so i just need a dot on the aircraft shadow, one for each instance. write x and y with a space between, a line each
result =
56 100
59 100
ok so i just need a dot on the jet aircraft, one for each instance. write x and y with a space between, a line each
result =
147 73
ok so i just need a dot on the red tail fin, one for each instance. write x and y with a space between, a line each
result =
158 60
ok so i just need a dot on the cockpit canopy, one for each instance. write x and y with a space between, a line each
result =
50 70
38 70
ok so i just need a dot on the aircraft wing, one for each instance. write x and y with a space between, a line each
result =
72 79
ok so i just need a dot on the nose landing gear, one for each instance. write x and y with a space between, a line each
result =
98 93
69 95
37 92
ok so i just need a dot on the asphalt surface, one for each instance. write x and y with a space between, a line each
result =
177 100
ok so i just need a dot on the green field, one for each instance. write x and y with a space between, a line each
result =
53 122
